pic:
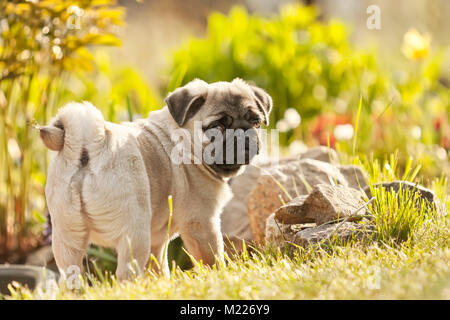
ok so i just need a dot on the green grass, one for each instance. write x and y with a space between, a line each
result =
346 273
409 259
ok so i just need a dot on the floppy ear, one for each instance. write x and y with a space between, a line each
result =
184 102
263 101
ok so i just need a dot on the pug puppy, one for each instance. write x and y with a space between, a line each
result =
109 183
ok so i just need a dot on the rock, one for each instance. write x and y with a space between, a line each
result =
293 178
424 193
339 233
235 223
314 165
277 232
355 176
261 202
321 153
294 212
327 203
306 234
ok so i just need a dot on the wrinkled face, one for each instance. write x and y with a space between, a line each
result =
228 114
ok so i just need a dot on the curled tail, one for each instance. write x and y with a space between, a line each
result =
53 136
76 126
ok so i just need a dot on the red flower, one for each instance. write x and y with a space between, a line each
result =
438 123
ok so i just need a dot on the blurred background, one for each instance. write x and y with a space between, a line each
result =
164 25
369 84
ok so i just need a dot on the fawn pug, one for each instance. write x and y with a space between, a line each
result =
109 183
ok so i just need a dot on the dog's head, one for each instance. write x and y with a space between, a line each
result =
230 115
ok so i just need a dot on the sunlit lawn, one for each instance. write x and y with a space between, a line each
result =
410 261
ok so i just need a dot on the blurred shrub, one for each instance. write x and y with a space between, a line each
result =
310 66
121 92
302 62
45 62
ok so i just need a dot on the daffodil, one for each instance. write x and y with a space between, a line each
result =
415 45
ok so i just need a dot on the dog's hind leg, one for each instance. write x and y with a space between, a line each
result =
69 258
133 252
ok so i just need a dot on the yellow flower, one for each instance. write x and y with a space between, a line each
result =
415 45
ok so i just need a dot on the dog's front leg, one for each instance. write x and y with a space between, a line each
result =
203 240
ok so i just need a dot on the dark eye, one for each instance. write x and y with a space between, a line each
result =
256 122
226 121
215 125
221 123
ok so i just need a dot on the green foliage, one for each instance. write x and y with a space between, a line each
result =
302 62
120 92
404 216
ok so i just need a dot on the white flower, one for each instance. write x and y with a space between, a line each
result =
416 132
57 52
283 125
441 154
292 117
344 131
